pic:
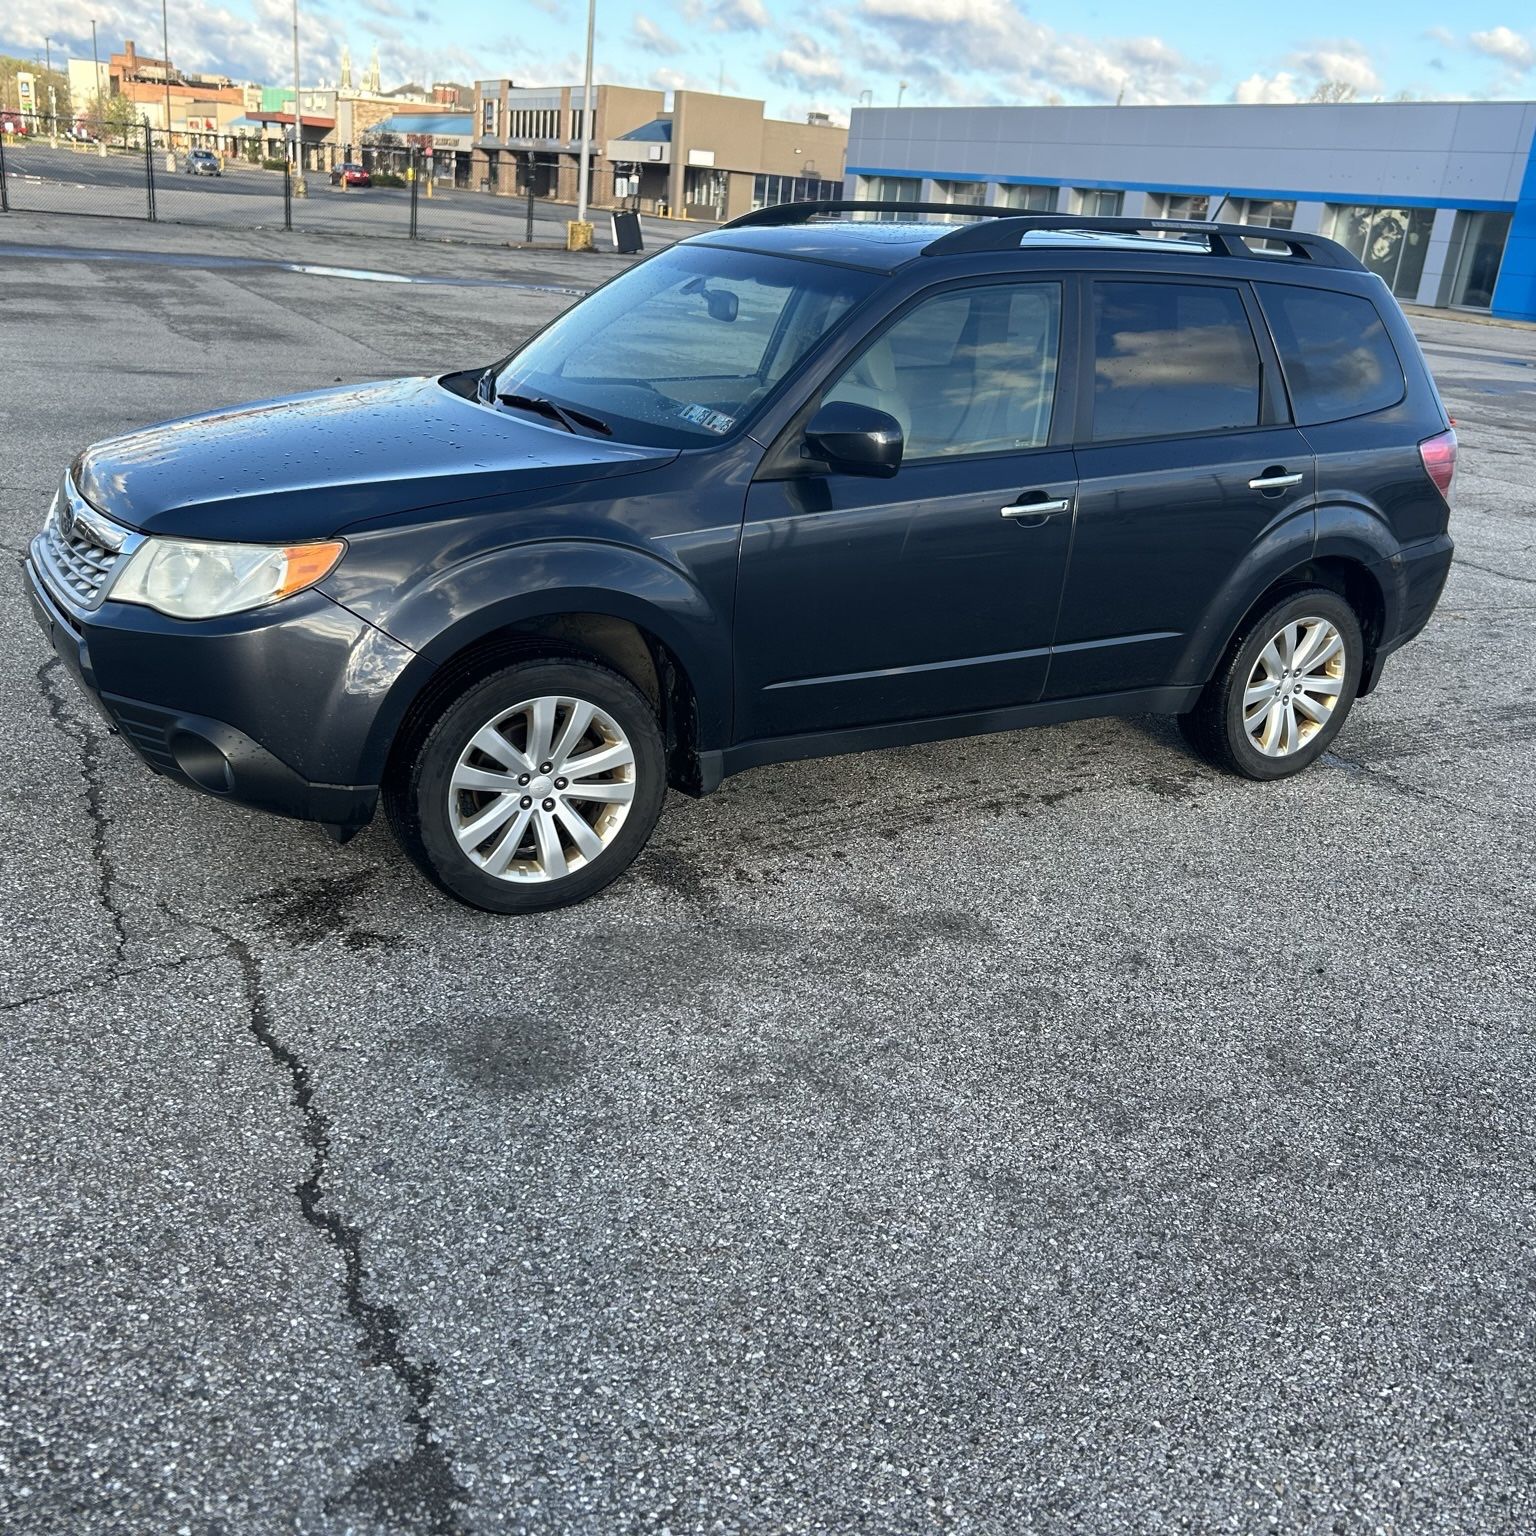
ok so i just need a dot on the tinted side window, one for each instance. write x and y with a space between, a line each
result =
970 371
1171 359
1338 359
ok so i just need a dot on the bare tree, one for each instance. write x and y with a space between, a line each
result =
1333 90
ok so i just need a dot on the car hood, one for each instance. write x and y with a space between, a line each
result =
308 466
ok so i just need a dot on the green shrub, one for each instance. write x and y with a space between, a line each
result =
273 165
386 179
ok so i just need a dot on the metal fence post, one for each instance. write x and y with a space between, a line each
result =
149 167
5 197
529 240
415 164
287 197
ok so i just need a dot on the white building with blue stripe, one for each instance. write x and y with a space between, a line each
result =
1439 198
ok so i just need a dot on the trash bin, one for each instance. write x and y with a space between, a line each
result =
626 232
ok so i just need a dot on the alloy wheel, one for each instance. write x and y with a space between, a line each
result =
542 789
1294 686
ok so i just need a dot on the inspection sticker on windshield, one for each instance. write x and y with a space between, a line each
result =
703 416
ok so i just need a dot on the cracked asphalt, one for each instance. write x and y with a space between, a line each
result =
1033 1133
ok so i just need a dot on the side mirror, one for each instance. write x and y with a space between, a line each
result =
856 439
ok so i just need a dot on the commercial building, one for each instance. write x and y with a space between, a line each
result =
197 104
1439 198
691 154
448 137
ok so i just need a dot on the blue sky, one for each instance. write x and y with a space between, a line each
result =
801 55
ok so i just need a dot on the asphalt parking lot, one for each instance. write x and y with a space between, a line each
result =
1032 1133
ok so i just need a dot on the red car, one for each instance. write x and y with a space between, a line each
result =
350 174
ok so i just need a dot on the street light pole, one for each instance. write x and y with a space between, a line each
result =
101 117
901 90
300 189
165 49
53 99
584 177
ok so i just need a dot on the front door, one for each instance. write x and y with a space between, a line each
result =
861 600
1187 461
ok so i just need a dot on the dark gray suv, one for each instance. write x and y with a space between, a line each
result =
811 483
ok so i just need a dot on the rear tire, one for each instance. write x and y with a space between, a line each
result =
534 788
1283 690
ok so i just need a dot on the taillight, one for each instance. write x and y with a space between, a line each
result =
1439 456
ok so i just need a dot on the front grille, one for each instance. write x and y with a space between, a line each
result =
79 549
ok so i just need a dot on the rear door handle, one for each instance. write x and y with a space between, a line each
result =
1274 482
1038 511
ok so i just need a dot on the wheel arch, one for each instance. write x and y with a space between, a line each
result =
629 611
636 654
1353 574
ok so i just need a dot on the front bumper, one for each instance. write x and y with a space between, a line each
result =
287 714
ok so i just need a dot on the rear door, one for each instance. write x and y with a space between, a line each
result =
861 600
1186 459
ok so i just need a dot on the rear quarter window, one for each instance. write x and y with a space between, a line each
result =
1339 360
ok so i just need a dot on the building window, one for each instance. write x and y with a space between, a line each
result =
769 191
1098 203
1391 242
1183 206
704 189
1273 215
970 194
1030 199
1477 248
488 118
889 189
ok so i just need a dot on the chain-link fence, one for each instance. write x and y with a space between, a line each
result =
133 170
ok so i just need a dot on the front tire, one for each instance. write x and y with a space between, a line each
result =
534 788
1283 690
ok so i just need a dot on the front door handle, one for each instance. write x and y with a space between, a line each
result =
1037 511
1276 480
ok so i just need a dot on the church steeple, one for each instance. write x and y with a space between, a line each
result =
346 68
371 83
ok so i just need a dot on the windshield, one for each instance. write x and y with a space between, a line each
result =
687 346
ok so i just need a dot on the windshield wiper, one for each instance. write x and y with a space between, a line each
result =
568 417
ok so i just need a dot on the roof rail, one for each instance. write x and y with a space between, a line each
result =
803 213
1223 239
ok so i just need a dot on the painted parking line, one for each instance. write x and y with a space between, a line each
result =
256 263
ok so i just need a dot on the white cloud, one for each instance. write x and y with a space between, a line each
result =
812 66
1346 62
1268 89
1014 57
652 38
1506 45
727 15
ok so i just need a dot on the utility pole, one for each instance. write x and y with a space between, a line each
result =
101 118
584 178
165 49
300 189
53 95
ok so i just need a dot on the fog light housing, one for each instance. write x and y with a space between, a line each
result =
202 762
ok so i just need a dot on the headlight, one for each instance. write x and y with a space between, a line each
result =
193 580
